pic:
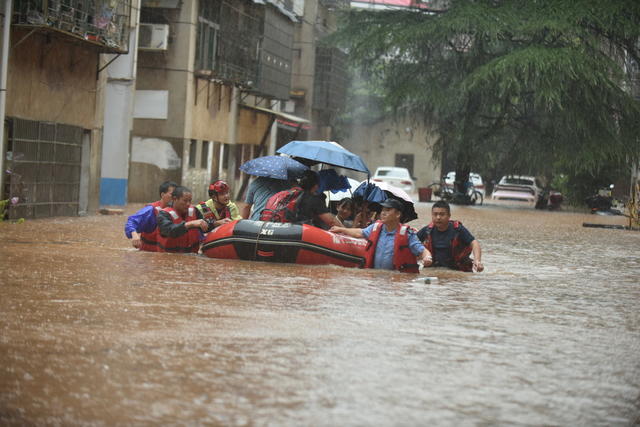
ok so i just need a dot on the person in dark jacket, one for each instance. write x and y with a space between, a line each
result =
311 207
181 225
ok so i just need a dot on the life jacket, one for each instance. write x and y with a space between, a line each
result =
188 242
403 259
459 252
150 240
211 215
282 206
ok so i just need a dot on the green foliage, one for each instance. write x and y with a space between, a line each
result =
513 86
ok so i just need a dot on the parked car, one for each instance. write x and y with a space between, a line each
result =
476 180
517 188
398 177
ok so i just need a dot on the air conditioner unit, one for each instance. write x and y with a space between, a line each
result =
153 36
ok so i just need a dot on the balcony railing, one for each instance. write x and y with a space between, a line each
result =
101 22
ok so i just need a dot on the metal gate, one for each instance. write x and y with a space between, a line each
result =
45 164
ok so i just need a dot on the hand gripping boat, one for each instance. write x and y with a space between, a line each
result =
283 242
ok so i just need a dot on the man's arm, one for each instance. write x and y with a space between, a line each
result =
246 210
353 232
169 229
477 255
418 249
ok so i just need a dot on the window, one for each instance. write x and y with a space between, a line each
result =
207 44
204 158
193 147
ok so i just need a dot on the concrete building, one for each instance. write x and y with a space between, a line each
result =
54 99
319 78
206 100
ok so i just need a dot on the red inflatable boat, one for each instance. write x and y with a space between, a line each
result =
277 242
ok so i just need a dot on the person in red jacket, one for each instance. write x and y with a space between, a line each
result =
450 242
142 227
181 225
392 245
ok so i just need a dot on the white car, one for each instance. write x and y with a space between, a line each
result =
478 183
398 177
517 188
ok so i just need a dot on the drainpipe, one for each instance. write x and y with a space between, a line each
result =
6 31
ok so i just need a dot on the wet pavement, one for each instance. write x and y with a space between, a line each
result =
97 333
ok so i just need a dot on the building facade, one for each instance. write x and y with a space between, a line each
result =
55 90
207 101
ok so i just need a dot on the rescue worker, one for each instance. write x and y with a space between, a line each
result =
141 227
450 242
180 226
391 245
218 209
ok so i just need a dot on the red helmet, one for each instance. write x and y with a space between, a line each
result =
219 187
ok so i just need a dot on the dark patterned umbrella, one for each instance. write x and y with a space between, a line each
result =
277 167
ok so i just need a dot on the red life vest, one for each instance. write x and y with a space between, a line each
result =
459 252
403 259
188 242
282 206
150 240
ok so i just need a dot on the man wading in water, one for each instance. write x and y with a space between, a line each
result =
450 242
391 245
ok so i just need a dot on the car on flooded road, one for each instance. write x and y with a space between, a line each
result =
518 188
398 177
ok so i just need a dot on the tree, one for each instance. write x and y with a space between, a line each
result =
529 86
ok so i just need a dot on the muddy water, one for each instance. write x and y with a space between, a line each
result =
94 332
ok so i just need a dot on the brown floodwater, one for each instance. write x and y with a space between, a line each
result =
97 333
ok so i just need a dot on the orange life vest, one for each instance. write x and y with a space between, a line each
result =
459 252
150 240
188 242
403 259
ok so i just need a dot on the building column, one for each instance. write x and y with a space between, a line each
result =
118 119
234 111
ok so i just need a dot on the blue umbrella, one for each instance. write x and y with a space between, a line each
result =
327 152
331 181
372 193
277 167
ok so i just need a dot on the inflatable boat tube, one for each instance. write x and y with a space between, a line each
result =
277 242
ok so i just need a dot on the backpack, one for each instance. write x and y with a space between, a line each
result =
281 207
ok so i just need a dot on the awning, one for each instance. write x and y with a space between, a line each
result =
280 114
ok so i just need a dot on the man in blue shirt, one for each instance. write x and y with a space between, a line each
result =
383 234
141 226
260 190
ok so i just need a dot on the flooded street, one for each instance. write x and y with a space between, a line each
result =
97 333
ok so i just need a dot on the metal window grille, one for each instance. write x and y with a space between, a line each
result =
45 169
102 21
